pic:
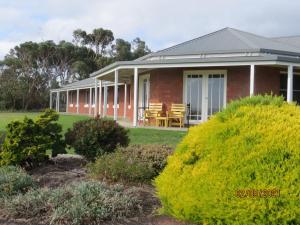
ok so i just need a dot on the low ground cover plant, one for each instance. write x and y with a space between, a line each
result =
95 137
135 163
27 141
240 167
14 180
79 203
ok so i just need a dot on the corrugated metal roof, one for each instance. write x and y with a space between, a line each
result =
227 40
292 40
86 83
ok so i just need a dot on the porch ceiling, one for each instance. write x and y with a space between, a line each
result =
125 75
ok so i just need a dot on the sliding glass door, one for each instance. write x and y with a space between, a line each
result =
205 91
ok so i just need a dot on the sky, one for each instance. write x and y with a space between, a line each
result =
161 23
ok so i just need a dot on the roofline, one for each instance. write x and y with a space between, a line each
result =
193 62
82 87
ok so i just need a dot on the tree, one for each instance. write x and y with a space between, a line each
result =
122 50
139 48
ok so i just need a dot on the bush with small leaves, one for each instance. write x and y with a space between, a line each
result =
136 163
76 204
240 167
27 141
14 180
95 137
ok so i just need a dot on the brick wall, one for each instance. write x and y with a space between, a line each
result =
166 86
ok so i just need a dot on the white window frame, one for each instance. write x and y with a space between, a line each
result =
205 74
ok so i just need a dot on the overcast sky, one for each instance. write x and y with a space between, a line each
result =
161 23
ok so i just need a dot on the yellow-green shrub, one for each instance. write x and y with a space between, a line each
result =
253 144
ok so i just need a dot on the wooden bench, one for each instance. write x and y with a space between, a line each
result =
155 110
176 115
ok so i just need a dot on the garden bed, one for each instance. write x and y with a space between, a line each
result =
66 169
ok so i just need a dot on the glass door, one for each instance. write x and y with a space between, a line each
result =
194 89
215 93
205 92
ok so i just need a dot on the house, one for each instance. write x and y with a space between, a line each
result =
207 72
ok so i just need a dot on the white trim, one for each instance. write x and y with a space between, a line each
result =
125 100
141 83
252 79
206 64
77 101
205 74
135 96
290 84
116 95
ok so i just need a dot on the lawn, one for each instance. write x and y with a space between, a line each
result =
136 135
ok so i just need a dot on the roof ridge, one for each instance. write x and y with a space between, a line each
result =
242 38
192 40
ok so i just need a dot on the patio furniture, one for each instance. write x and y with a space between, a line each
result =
176 115
155 110
161 121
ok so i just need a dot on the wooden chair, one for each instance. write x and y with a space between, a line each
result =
155 110
176 115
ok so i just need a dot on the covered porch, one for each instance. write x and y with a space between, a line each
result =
205 86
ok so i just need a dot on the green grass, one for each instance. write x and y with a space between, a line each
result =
153 136
65 120
136 135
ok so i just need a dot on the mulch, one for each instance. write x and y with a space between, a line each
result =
66 169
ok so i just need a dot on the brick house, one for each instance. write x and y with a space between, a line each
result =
207 72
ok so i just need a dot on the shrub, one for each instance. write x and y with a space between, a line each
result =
94 137
81 203
136 163
14 180
2 137
27 141
224 169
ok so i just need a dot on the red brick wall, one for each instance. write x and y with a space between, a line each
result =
166 86
267 80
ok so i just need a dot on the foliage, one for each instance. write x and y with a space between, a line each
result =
31 69
249 148
136 163
2 137
14 180
27 141
80 203
94 137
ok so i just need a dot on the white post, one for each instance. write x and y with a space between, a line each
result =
90 102
77 101
252 79
290 84
100 98
50 99
135 97
67 102
58 98
96 97
105 101
116 96
125 100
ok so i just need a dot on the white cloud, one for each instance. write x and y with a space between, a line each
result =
159 22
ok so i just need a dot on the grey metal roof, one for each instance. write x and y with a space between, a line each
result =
292 40
86 83
183 61
228 40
